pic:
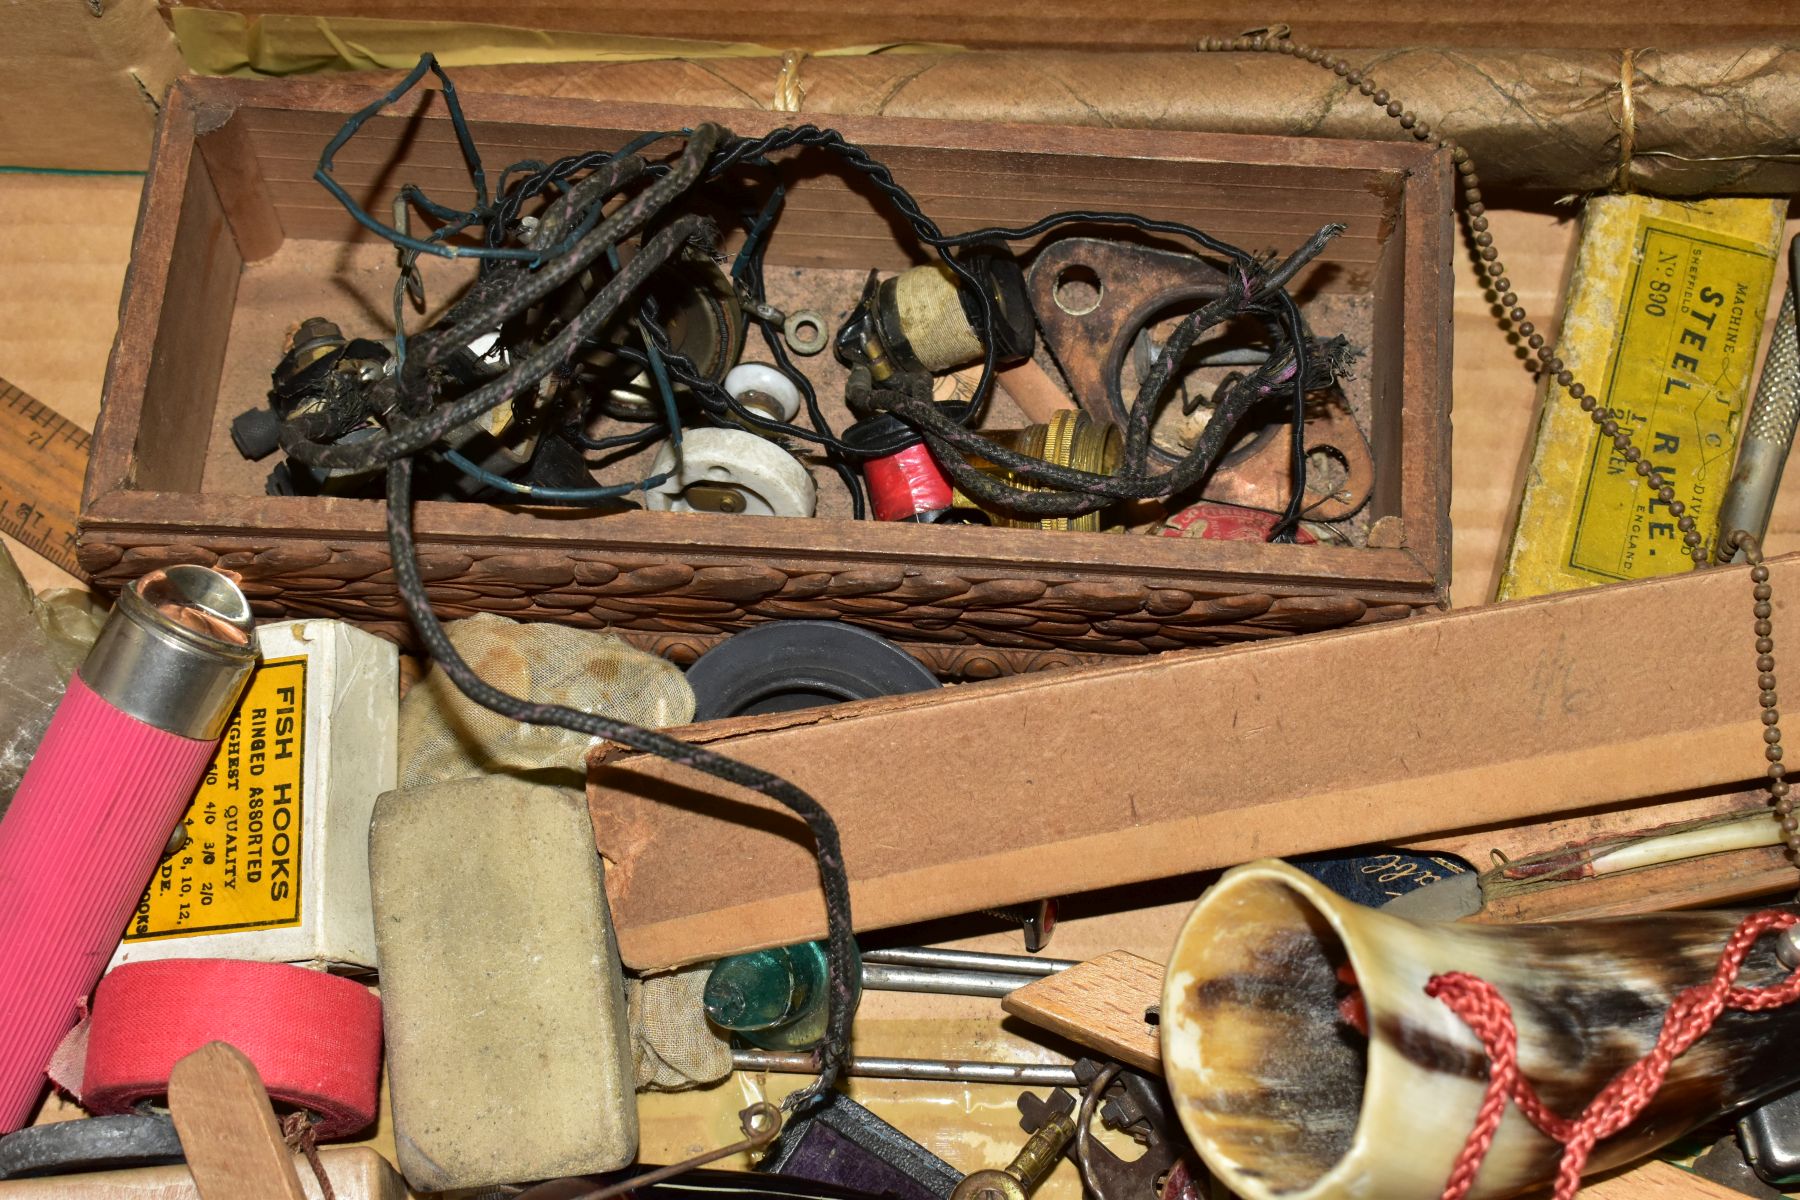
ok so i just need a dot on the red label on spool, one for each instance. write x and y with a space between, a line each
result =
1228 523
906 484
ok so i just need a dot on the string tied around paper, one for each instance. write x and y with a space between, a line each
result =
790 92
1627 119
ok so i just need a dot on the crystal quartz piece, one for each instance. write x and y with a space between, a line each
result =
41 644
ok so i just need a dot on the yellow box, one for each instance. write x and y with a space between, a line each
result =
275 867
1662 320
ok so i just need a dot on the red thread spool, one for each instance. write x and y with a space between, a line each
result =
120 761
906 486
315 1038
905 483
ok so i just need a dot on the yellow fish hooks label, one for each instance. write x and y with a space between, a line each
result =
240 866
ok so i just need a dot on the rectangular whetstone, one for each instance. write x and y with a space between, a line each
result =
503 1004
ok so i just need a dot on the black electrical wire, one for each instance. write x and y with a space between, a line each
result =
747 272
840 942
574 232
428 424
1132 477
928 232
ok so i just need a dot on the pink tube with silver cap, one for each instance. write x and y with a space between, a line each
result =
122 758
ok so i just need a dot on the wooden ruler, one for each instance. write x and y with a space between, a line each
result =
43 458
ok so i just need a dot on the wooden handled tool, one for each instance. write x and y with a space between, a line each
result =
227 1127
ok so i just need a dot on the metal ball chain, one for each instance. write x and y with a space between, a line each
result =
1779 789
1277 41
1487 261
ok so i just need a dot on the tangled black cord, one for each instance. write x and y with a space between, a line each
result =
841 959
1256 291
747 273
575 231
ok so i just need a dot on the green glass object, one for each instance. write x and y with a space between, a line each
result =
775 999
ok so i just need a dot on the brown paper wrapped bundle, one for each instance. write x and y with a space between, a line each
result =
1705 120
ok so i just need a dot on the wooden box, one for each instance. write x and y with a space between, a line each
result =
236 242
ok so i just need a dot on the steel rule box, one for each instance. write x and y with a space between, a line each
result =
275 865
1662 318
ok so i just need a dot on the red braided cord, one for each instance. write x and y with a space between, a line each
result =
1618 1104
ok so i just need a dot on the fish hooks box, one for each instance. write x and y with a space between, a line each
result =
236 244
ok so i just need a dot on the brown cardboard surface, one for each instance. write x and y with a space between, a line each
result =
82 82
64 244
1194 761
1706 117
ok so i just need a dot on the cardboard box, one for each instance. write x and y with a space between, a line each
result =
276 863
1663 320
84 80
995 793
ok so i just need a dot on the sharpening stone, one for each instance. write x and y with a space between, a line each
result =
503 1003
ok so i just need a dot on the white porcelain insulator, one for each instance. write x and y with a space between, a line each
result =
765 380
773 482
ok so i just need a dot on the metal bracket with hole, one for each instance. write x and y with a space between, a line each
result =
1092 296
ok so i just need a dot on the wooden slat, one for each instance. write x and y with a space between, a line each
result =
705 538
181 385
1656 1180
238 168
1003 198
989 174
227 1127
1543 706
924 147
1081 25
141 307
1100 1004
356 1173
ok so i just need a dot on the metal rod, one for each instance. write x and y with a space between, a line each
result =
801 1063
882 977
761 1122
967 960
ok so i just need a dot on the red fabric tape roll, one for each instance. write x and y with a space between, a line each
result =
906 484
315 1038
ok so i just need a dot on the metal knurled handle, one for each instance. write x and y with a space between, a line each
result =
1777 405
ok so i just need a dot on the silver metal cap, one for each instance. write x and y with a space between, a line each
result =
176 652
1787 948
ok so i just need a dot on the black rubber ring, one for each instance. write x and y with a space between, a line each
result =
92 1144
787 665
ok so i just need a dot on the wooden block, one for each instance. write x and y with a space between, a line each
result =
1573 713
356 1173
227 1127
1657 1180
1101 1004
